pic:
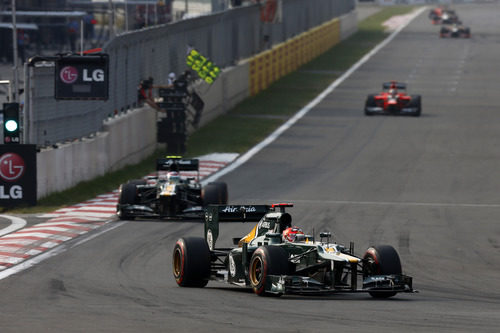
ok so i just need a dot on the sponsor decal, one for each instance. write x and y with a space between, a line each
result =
210 239
235 209
97 75
17 175
68 74
265 224
15 192
208 217
232 266
12 167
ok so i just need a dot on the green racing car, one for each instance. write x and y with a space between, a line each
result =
276 258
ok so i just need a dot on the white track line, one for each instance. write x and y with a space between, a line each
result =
301 113
17 223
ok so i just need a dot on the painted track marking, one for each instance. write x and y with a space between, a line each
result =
16 224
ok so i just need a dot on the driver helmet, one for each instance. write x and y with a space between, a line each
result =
289 234
171 78
173 177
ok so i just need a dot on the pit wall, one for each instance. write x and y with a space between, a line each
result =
130 138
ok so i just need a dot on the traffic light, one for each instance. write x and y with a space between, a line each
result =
11 123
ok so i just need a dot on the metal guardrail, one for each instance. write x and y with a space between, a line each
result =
224 37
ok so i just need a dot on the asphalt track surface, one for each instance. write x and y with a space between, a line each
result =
429 186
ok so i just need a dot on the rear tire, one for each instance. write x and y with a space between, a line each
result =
191 262
215 194
128 195
381 260
265 261
416 101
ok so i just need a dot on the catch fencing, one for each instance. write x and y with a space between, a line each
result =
224 37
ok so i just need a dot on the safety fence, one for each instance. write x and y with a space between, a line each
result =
225 38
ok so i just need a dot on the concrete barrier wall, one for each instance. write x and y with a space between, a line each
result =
230 88
348 24
132 137
125 140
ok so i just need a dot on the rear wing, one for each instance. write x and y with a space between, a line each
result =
177 164
230 213
393 84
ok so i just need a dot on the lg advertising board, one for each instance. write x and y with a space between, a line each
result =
17 175
82 77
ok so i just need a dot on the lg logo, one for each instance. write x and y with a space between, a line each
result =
11 167
97 75
68 74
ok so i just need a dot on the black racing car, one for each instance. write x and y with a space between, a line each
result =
269 261
171 195
454 31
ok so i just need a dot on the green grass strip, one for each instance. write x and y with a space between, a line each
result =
250 121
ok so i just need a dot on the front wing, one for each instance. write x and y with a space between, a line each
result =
285 284
144 211
398 110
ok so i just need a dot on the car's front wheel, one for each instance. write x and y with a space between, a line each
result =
265 261
128 194
370 102
381 260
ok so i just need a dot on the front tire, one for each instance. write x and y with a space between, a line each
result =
128 195
265 261
370 102
191 262
381 260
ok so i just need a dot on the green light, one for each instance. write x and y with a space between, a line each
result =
11 125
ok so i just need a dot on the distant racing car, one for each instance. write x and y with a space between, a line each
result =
443 16
170 195
393 100
277 258
454 31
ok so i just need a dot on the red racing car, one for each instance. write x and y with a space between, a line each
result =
393 100
442 15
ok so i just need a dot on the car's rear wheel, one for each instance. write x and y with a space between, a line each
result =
381 260
265 261
128 195
191 262
416 102
215 194
370 102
